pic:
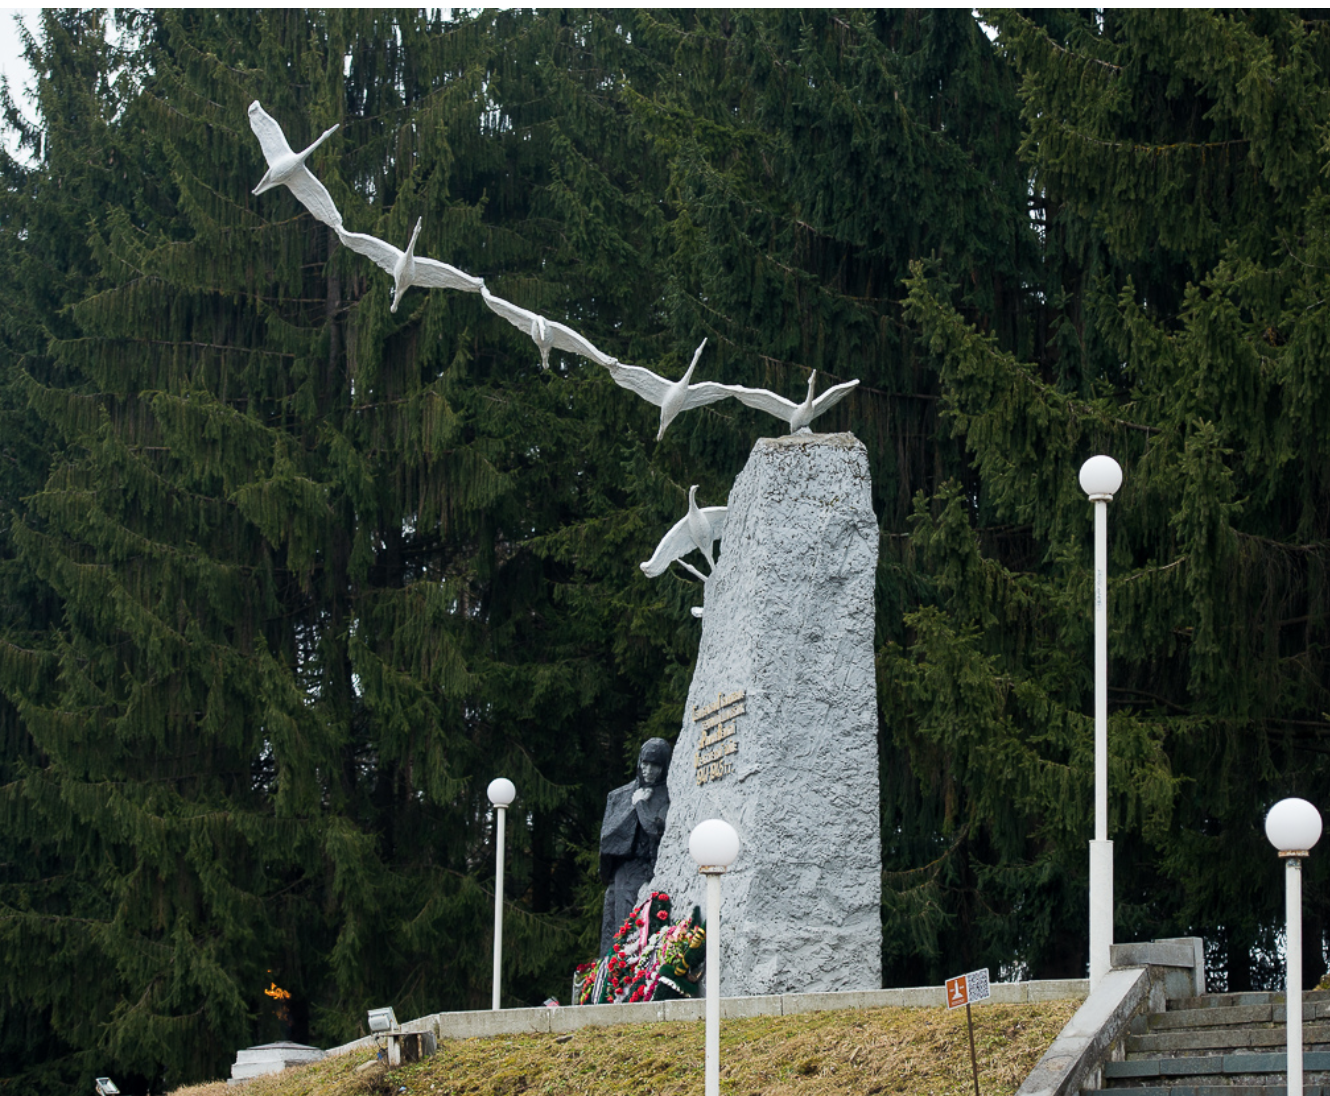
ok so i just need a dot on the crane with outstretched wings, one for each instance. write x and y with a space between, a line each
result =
286 167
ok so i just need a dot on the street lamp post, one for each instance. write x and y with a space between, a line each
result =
1293 827
501 793
1100 479
713 844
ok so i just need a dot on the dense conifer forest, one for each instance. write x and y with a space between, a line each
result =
286 578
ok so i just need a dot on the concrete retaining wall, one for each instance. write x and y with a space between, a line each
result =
555 1021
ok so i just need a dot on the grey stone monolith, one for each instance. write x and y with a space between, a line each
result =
779 735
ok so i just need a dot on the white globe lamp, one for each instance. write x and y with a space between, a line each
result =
713 844
1293 826
1101 477
501 792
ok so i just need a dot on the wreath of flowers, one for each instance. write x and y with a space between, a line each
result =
648 959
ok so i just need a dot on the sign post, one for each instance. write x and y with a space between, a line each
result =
961 990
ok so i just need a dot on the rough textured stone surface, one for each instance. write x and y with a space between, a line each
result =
793 764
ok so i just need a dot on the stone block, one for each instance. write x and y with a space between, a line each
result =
779 735
1144 1067
914 997
570 1019
1156 954
508 1021
690 1009
1057 989
1197 1066
743 1008
272 1058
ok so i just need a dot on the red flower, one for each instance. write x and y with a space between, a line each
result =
662 915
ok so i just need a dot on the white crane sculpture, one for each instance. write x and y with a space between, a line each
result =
700 528
406 269
672 397
798 415
546 334
288 167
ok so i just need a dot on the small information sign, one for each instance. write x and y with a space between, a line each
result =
967 989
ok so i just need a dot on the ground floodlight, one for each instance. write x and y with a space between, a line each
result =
106 1087
382 1019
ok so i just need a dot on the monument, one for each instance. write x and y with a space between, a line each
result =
779 734
630 835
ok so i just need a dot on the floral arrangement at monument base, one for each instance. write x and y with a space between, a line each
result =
649 959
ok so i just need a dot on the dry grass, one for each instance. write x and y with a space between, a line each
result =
871 1052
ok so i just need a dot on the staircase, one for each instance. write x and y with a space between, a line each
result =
1223 1044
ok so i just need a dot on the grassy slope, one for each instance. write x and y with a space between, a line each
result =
872 1052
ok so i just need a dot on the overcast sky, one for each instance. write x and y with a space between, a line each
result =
11 54
11 61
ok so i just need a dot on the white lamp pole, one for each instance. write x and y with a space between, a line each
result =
714 845
1293 827
1100 479
501 793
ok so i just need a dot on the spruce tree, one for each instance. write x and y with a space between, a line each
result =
1177 157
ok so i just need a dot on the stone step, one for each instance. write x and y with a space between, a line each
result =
1224 1017
1315 1067
1231 1000
1209 1090
1171 1043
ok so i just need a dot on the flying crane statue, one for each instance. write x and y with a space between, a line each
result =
405 268
288 167
546 334
700 528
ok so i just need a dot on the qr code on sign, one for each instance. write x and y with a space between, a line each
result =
977 984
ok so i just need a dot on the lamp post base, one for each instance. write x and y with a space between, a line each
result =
1101 910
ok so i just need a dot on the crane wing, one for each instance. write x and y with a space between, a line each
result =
832 396
677 542
518 317
716 516
433 274
763 400
382 254
565 338
699 395
314 196
642 381
271 138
